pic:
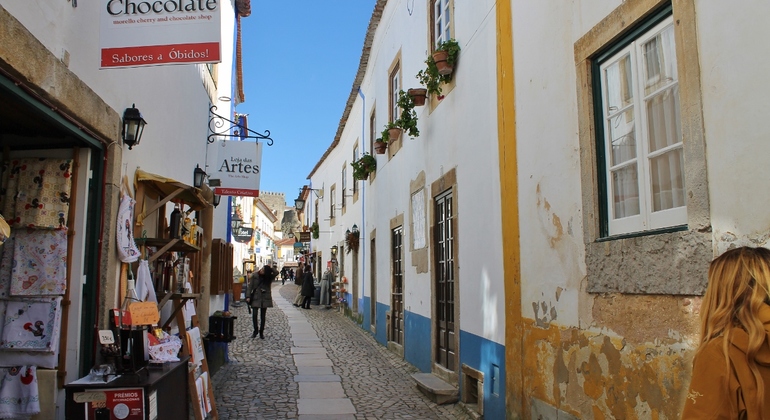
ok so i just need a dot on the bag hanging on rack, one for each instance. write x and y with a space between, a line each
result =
127 249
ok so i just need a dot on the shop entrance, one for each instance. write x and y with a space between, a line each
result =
30 129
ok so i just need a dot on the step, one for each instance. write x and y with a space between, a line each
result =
435 388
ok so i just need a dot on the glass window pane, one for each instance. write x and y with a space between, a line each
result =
667 178
663 126
625 192
622 137
659 61
618 78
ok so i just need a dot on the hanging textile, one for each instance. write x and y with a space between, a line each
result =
19 394
127 249
42 193
144 287
31 325
6 264
39 262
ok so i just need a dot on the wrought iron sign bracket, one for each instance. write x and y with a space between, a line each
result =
220 126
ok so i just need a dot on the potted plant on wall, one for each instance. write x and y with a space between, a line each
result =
315 230
440 66
362 167
351 241
391 132
418 95
408 119
380 146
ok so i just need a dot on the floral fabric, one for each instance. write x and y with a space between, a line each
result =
38 193
39 262
31 325
6 264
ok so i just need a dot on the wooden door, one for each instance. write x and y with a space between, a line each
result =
397 292
446 353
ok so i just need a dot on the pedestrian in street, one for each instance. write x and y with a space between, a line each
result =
731 368
298 282
284 274
308 287
326 285
260 297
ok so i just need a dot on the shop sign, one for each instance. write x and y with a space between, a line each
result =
304 236
135 33
119 403
238 168
243 234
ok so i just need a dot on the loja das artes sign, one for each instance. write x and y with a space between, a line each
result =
136 33
238 168
129 7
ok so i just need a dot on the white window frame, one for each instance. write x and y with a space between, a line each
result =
646 219
395 87
442 21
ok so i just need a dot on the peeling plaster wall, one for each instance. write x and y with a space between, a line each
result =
610 324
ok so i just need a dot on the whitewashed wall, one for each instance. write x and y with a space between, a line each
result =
734 63
460 133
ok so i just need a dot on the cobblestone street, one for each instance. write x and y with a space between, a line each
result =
316 364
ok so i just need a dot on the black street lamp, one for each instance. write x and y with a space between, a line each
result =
133 126
199 175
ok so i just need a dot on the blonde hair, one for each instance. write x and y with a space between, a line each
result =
738 284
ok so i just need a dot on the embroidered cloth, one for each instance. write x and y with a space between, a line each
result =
39 262
31 325
19 394
38 193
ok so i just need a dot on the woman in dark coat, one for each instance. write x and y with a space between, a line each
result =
260 297
308 287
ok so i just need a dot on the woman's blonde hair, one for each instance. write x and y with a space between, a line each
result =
738 284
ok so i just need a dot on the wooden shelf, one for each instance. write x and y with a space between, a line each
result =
167 245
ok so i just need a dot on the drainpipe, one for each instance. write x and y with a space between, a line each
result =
362 244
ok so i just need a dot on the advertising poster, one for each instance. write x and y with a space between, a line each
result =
238 168
118 404
135 33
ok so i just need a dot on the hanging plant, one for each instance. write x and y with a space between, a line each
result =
408 118
314 230
351 242
440 66
362 167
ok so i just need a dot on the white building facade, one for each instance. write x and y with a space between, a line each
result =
426 279
49 73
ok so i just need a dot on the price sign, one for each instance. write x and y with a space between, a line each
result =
144 313
106 337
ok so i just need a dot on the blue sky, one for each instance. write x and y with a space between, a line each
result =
300 59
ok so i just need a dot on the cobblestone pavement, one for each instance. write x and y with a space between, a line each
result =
262 380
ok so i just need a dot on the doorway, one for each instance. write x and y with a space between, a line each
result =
397 292
446 352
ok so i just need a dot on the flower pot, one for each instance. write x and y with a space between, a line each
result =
444 68
418 95
394 133
380 147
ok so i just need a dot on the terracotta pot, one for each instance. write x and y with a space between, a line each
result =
394 133
380 147
443 67
418 95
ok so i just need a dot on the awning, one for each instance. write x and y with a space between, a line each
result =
172 189
164 190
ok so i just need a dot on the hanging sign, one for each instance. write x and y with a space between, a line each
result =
136 33
238 168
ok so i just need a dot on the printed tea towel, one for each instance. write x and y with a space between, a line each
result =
127 249
38 193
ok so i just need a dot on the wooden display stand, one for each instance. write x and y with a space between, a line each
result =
165 190
179 300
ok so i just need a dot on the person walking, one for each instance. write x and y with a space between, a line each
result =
298 282
308 287
260 297
731 368
326 285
